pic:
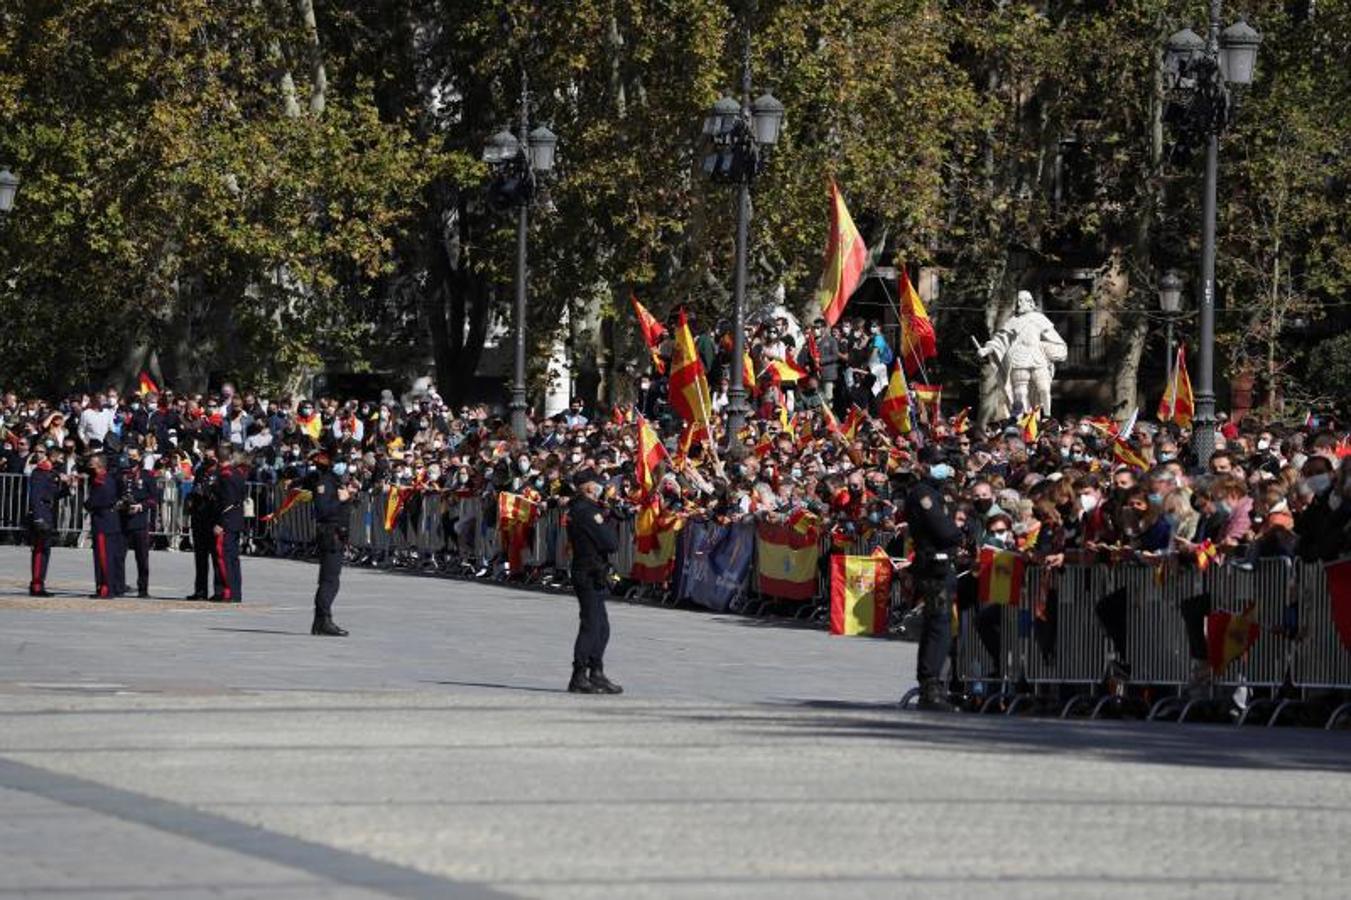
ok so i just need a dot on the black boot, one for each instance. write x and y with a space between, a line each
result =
40 592
580 684
933 696
602 684
324 626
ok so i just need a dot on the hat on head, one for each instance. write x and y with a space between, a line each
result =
931 454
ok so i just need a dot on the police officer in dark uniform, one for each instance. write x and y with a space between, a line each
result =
232 489
105 525
201 518
332 513
138 501
45 488
935 539
593 539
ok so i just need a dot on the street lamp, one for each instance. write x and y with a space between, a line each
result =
9 187
741 136
1170 301
1199 75
518 163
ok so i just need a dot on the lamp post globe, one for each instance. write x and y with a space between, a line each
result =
767 117
1238 52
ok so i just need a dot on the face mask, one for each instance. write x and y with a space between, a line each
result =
644 385
340 469
523 465
940 472
575 458
1065 452
874 518
1156 498
1317 484
1088 503
1263 444
1167 457
1223 506
434 472
796 473
983 504
1000 539
463 477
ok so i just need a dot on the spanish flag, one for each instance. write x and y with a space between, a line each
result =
918 340
1000 578
786 561
804 522
1125 455
781 370
689 384
961 423
748 373
930 399
651 330
1338 575
855 418
394 504
1178 404
1206 553
293 496
147 384
1030 423
846 258
654 543
895 405
692 433
651 453
860 593
1229 635
515 517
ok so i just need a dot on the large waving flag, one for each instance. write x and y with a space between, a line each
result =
781 370
147 384
1177 404
689 384
651 453
651 330
846 258
930 399
918 340
895 406
293 496
860 593
1126 455
654 543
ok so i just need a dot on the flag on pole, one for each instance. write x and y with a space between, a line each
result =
1229 635
690 434
651 453
814 352
895 405
961 423
689 384
855 418
748 373
651 330
781 370
1000 577
918 340
930 399
515 517
1177 403
1126 455
654 543
147 384
860 593
846 259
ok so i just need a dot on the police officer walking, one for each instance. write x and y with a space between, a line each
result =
332 513
201 518
45 487
935 539
138 500
593 540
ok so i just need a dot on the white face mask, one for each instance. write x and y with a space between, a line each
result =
1263 444
1088 502
1317 484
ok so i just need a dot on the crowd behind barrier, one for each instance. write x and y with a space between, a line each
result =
1087 638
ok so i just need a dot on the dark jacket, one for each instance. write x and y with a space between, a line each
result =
232 489
102 504
329 511
138 488
44 489
591 534
932 531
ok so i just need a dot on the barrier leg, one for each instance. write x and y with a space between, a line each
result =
1337 714
1280 708
1069 708
908 697
1164 706
1254 710
1018 703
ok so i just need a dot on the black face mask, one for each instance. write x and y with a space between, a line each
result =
983 504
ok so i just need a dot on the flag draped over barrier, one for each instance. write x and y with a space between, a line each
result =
787 557
1000 576
860 593
1229 635
655 533
515 517
846 259
1339 598
395 501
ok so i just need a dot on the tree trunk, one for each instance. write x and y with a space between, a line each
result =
318 75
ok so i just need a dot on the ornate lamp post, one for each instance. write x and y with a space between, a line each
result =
1170 301
1199 76
518 163
741 136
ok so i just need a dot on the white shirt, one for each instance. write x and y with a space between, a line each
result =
95 424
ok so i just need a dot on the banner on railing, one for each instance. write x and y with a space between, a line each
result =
786 560
717 561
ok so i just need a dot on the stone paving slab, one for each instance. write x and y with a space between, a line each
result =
223 752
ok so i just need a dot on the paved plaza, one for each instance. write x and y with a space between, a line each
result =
167 749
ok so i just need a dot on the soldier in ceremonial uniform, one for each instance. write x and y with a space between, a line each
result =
138 501
332 512
201 518
105 526
45 487
593 539
935 538
232 489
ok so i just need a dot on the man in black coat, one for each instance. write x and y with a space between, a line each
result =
201 521
45 488
232 489
593 540
105 525
139 502
332 514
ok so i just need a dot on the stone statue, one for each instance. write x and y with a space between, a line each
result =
1026 350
